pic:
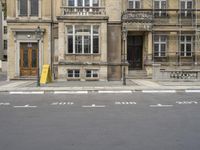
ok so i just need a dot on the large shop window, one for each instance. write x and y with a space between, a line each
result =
186 46
83 39
28 7
134 4
186 5
160 4
83 3
160 45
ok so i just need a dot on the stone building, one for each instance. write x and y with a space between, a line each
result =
96 39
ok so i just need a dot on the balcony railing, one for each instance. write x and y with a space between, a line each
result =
83 11
137 16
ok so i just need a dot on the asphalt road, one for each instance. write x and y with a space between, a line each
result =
135 121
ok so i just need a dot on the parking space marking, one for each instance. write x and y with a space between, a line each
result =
25 106
192 91
160 105
26 93
62 103
158 91
115 92
186 102
93 106
125 103
4 104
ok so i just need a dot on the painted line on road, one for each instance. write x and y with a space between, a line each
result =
192 91
160 105
26 93
186 102
70 92
115 92
4 104
125 103
25 106
158 91
93 106
62 103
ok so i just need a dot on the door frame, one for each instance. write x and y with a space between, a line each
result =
17 54
142 55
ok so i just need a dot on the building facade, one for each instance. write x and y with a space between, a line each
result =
105 39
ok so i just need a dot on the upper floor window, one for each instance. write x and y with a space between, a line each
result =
83 3
28 7
83 39
186 5
160 45
160 4
186 45
134 4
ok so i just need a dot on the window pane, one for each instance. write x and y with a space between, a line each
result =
23 7
95 44
34 58
163 5
156 4
156 38
77 73
95 74
80 2
69 29
88 73
163 48
182 5
137 4
189 5
163 38
25 58
87 45
188 38
70 2
87 2
70 73
130 4
5 44
70 44
182 49
34 7
96 30
78 44
95 2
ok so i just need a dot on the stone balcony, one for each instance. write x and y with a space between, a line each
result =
137 16
83 11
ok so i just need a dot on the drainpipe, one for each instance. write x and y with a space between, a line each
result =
52 45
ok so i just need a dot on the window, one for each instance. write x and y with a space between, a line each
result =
160 4
83 39
134 4
28 7
160 45
92 73
186 46
83 3
73 73
5 30
5 44
186 4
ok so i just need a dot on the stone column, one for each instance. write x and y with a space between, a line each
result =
61 41
150 48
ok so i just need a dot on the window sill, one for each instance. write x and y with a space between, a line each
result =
73 79
91 79
96 54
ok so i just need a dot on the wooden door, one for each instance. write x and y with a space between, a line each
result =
28 59
134 52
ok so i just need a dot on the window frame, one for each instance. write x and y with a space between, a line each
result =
160 43
73 35
163 12
28 13
74 74
92 74
186 13
134 4
83 3
185 43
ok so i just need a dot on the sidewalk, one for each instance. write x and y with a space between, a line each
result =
95 86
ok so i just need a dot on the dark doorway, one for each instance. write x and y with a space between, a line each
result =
134 52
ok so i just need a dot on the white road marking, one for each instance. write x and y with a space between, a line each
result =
160 105
192 91
186 102
62 103
4 104
70 92
115 92
125 103
26 93
25 106
93 106
159 91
